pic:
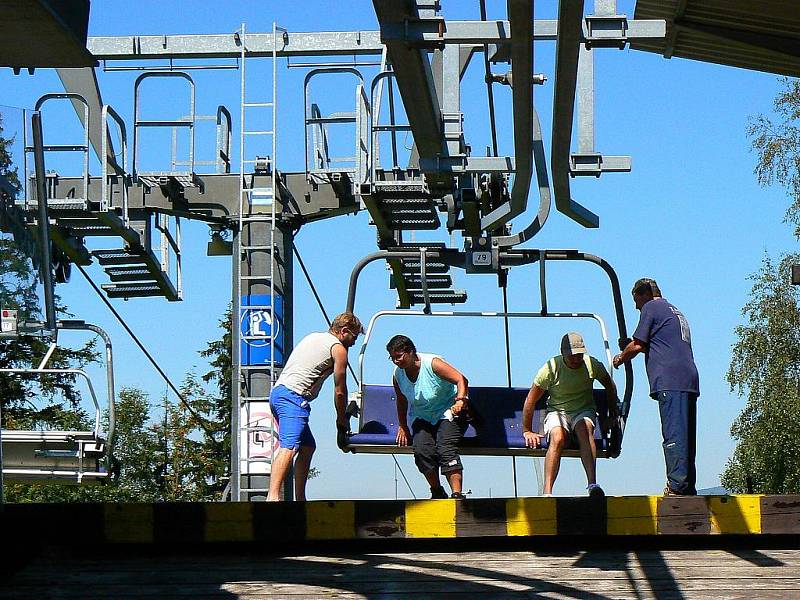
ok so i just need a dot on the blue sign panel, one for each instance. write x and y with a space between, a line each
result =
258 325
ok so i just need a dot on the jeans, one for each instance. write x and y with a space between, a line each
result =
678 412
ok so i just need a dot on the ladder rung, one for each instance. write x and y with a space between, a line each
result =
258 132
254 277
256 306
264 104
254 398
267 248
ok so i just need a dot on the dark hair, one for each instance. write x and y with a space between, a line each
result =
645 285
401 343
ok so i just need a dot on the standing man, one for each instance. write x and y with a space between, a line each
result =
311 362
663 335
571 410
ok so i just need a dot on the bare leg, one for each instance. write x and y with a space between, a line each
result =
433 478
552 460
280 468
454 478
301 467
585 434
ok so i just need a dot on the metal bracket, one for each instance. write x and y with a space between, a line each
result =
594 163
606 31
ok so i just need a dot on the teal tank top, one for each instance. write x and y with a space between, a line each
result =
430 395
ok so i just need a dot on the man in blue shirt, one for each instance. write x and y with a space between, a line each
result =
663 335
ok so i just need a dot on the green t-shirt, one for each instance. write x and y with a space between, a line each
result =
570 389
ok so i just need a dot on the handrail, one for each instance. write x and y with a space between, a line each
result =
169 123
223 157
306 81
80 372
104 195
85 147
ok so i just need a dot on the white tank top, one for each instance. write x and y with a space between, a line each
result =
309 364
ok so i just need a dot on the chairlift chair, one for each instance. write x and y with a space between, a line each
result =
496 424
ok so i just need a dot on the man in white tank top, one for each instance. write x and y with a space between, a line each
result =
309 365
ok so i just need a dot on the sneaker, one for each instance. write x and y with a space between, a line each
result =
438 493
458 496
595 491
668 491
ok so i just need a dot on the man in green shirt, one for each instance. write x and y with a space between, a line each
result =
571 411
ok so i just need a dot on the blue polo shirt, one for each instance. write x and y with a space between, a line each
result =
669 358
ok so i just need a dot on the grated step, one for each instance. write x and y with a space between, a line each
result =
414 282
132 290
438 297
92 231
412 267
117 257
133 273
417 246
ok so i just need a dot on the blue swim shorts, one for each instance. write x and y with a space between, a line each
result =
291 411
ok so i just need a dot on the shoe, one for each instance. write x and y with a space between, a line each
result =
595 491
668 491
438 493
458 496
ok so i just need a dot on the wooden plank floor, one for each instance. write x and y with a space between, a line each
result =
594 574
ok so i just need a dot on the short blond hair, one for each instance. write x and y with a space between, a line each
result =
346 320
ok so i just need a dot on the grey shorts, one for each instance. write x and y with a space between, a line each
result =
436 446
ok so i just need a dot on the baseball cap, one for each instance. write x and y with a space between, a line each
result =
572 343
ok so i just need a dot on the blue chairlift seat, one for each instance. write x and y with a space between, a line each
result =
495 427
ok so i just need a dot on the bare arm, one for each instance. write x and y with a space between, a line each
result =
611 394
633 348
403 434
454 376
534 395
339 353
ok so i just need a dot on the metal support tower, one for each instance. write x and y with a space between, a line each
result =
262 283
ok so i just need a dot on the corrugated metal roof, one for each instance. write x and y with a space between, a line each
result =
762 35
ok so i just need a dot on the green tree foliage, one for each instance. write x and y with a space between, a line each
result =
766 368
778 147
765 365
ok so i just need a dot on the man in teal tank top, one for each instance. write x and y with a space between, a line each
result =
571 411
437 394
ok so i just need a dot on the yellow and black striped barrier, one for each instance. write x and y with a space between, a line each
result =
196 523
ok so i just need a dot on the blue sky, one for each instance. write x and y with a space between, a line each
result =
690 214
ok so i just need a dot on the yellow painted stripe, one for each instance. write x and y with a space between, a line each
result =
431 518
128 523
735 514
229 522
632 515
531 516
330 520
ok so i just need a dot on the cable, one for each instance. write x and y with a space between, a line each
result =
404 476
193 412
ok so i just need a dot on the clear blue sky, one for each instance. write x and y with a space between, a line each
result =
690 215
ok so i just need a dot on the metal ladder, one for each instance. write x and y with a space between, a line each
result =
257 207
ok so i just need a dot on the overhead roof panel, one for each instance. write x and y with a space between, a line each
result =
44 33
763 35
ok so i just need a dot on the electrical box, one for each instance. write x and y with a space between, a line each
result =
8 324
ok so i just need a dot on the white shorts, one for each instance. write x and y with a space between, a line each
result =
559 418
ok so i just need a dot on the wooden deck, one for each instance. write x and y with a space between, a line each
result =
617 547
666 574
